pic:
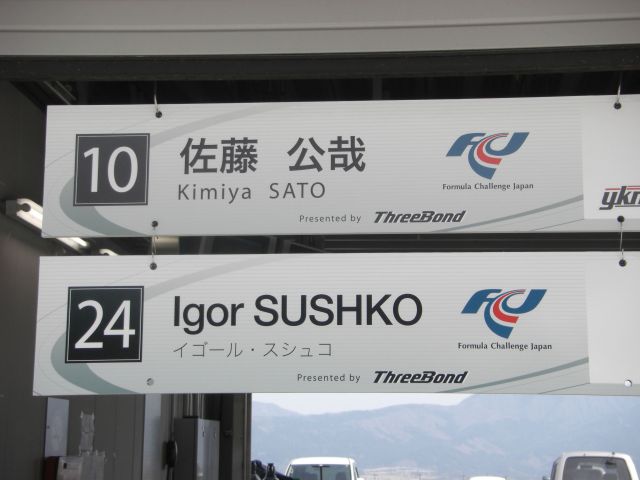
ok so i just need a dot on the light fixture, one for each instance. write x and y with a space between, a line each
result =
26 210
107 251
30 213
77 243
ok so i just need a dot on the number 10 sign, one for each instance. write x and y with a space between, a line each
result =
112 169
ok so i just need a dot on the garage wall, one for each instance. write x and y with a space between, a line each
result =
119 420
190 27
119 430
22 416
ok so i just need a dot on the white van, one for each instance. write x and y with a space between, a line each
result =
593 466
323 468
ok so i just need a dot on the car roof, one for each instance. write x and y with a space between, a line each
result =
321 461
594 454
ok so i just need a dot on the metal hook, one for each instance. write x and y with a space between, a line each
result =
618 105
155 100
622 261
154 237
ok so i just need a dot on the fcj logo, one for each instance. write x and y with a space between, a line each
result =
499 316
483 157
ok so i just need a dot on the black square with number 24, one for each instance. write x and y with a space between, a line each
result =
104 324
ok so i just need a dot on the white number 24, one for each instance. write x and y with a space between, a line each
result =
124 311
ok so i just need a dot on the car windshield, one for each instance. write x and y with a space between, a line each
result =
595 468
320 472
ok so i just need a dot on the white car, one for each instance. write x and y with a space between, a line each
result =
323 468
487 477
593 466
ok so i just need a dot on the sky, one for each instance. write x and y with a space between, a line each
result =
317 403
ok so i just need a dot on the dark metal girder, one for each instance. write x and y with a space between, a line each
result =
322 66
486 242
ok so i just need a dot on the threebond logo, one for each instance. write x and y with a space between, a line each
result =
483 158
500 317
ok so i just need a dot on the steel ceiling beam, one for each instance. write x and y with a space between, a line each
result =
322 66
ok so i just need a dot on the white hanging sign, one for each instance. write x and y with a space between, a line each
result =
473 165
401 322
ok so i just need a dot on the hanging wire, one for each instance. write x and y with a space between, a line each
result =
155 100
618 105
622 261
154 238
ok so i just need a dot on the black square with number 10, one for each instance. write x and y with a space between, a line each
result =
104 324
111 169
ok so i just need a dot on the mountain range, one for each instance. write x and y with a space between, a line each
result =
515 436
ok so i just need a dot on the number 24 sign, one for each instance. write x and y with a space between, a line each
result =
104 324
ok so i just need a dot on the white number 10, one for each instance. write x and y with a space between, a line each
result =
94 153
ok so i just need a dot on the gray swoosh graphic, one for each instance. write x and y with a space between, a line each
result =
169 285
89 217
539 373
556 225
552 206
81 375
172 133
